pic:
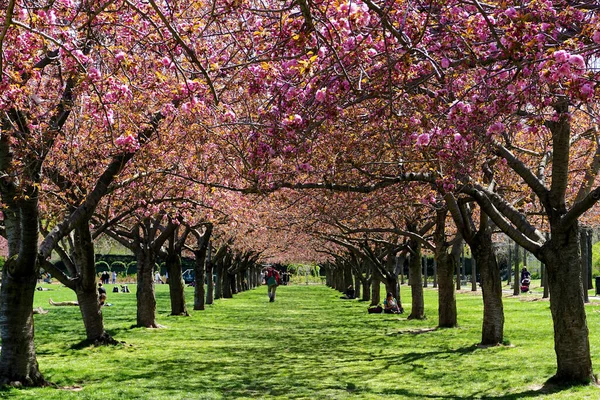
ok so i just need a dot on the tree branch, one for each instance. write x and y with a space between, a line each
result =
524 172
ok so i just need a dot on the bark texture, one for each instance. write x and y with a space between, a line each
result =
416 282
571 335
491 285
146 299
176 285
446 294
18 362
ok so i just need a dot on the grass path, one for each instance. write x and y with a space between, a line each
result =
309 344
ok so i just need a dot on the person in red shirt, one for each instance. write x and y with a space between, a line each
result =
273 280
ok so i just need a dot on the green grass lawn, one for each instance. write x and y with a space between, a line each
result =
309 344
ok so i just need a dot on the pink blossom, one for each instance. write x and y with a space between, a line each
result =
596 37
320 95
167 62
306 167
80 56
561 56
448 186
423 139
511 13
445 62
497 127
587 90
169 109
577 61
120 56
457 137
564 70
229 115
128 143
94 74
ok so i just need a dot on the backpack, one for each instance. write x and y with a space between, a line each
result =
272 277
375 310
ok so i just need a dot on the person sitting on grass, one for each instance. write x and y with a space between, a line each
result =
102 296
390 305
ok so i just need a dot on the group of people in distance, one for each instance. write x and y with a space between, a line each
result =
105 277
390 304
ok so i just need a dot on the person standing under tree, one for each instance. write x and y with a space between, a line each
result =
273 280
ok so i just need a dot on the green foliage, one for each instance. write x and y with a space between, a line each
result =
596 259
120 267
292 268
132 268
2 261
309 344
102 266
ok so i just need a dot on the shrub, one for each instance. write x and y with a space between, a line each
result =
119 267
131 268
102 266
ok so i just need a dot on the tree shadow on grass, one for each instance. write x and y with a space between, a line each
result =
415 356
547 389
412 331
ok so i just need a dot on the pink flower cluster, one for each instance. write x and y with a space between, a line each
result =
128 143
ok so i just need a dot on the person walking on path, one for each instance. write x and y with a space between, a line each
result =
273 280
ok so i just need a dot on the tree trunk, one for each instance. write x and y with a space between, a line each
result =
416 283
473 273
146 300
546 293
91 312
571 335
446 295
228 281
366 290
425 275
18 362
588 239
348 279
491 286
517 279
375 292
210 283
458 271
402 274
509 264
251 276
176 285
218 281
357 285
86 289
584 266
464 267
199 279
